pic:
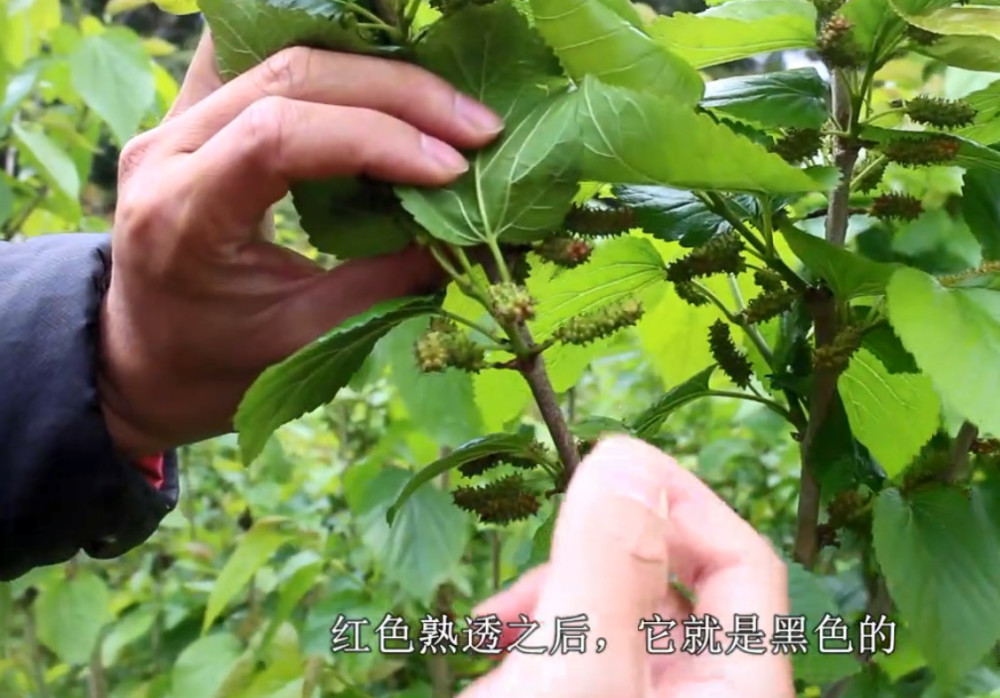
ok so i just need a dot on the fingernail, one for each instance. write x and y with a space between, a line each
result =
444 154
477 115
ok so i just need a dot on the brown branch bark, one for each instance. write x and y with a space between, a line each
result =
960 448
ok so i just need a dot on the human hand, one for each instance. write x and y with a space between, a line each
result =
631 517
200 301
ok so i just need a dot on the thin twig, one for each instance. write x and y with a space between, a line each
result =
959 466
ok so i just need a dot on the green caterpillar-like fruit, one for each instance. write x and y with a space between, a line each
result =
836 355
503 501
480 465
599 218
768 305
768 280
730 359
443 346
720 255
836 43
432 351
844 507
567 252
511 302
914 152
871 170
896 206
535 454
600 323
798 144
690 294
943 113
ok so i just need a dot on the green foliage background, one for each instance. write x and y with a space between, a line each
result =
235 594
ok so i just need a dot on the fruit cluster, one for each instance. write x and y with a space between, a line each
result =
914 152
500 502
798 144
599 218
768 305
567 252
836 44
444 345
768 280
511 302
603 322
837 354
720 255
872 169
535 454
690 294
895 205
943 113
730 359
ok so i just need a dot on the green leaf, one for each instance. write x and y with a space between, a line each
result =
204 664
442 405
521 186
880 403
114 76
252 552
649 421
125 631
621 268
592 428
352 217
967 52
638 138
671 214
970 154
298 577
872 19
986 126
70 615
52 161
809 598
541 542
941 560
178 7
954 335
246 32
964 22
787 98
593 38
312 376
6 201
981 209
426 541
491 444
737 30
848 274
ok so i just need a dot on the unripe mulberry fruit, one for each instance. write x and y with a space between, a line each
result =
599 218
913 152
836 355
720 255
431 351
567 252
985 447
921 37
943 113
600 323
768 280
768 305
825 8
797 144
871 170
844 507
730 359
836 43
896 205
690 294
465 354
511 302
480 465
503 501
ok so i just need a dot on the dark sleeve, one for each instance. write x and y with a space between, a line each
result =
63 488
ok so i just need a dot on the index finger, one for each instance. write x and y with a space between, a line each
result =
201 80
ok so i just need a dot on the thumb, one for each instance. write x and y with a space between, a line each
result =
609 561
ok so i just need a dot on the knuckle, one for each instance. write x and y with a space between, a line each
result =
140 212
285 71
266 123
133 154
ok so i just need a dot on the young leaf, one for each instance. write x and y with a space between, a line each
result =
350 218
313 375
786 98
424 544
985 128
252 552
954 335
849 274
673 214
522 185
968 52
52 162
6 200
737 30
649 421
593 37
246 32
981 209
638 138
893 415
114 76
491 444
941 560
622 268
202 667
70 615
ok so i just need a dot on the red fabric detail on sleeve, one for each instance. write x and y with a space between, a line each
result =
152 469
